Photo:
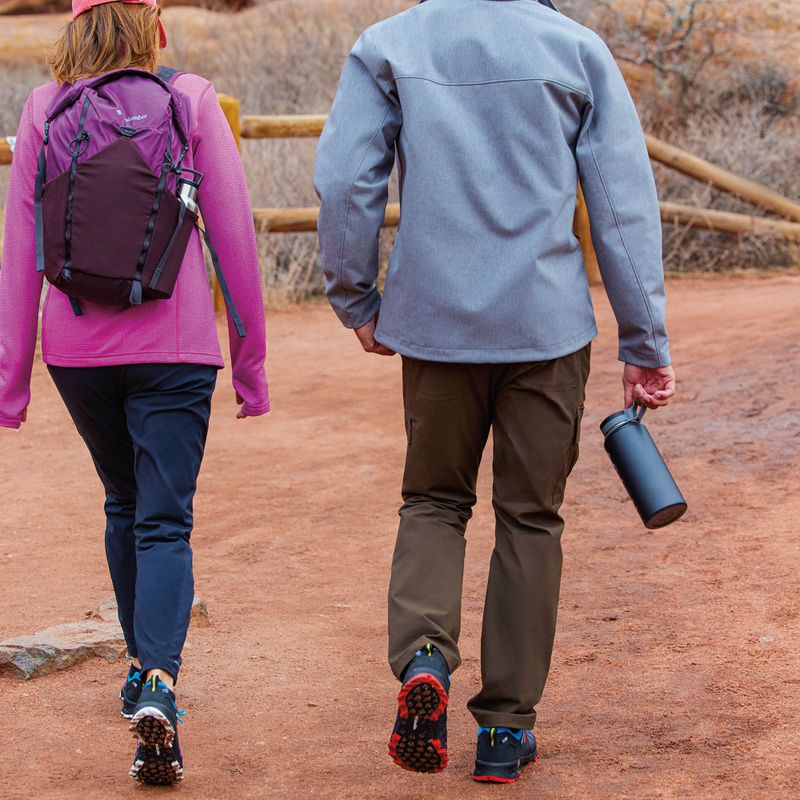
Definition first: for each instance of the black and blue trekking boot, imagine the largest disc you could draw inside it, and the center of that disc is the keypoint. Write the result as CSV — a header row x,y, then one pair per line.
x,y
130,691
502,752
158,760
419,738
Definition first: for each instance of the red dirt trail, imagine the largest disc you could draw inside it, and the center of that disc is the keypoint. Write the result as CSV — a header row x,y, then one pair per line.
x,y
676,671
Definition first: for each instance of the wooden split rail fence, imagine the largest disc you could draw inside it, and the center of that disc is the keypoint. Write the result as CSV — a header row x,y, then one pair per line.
x,y
298,220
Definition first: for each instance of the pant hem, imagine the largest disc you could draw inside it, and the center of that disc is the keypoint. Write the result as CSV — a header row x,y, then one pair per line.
x,y
494,719
148,666
399,663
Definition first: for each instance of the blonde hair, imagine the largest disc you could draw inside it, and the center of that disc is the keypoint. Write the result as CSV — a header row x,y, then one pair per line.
x,y
111,36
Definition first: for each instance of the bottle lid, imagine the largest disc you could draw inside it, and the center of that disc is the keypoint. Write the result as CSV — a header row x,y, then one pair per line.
x,y
620,418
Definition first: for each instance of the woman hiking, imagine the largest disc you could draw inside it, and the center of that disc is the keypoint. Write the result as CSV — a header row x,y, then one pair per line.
x,y
110,164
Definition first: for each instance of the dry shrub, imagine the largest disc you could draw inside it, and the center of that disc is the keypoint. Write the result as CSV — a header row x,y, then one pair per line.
x,y
713,77
770,157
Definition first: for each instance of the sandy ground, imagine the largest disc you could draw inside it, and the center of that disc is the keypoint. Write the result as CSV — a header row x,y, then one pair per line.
x,y
675,672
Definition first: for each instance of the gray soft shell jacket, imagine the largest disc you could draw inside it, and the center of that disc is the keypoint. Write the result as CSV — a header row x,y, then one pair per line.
x,y
494,110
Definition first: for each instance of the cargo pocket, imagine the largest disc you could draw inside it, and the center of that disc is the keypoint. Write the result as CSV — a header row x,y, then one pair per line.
x,y
572,458
409,429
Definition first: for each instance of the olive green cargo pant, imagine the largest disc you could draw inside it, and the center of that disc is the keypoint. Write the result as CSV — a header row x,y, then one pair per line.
x,y
534,412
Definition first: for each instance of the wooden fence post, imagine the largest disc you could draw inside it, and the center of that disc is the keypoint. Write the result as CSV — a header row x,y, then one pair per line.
x,y
583,231
6,152
230,107
698,168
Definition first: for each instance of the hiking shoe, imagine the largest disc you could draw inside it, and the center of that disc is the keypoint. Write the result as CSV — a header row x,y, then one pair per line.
x,y
130,691
502,752
158,759
419,738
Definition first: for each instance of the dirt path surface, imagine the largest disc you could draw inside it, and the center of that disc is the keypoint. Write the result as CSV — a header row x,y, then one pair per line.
x,y
676,667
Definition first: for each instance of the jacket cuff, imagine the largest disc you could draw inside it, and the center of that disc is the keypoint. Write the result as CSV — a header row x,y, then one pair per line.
x,y
650,360
362,311
255,411
10,422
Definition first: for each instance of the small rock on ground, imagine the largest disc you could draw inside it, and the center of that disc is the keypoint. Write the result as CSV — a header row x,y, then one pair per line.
x,y
61,646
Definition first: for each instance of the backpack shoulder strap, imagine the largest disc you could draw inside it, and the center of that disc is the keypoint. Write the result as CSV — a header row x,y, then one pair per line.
x,y
168,74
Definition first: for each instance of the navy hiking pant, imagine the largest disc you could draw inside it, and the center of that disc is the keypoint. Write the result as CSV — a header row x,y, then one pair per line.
x,y
145,426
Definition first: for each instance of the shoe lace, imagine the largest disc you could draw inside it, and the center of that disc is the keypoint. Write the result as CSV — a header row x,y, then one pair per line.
x,y
517,734
179,713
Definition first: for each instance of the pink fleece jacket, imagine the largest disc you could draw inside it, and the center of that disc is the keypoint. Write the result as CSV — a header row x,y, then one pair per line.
x,y
179,330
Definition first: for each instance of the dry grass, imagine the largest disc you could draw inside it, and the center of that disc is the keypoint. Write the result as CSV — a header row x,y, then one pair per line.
x,y
284,56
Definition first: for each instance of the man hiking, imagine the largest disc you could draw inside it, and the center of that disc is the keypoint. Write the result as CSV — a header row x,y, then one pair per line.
x,y
494,110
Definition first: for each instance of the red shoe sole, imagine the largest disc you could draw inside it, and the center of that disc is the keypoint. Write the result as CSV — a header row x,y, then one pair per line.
x,y
418,755
495,779
424,697
420,705
500,779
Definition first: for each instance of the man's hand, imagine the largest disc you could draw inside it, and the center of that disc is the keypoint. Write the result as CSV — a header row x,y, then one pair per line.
x,y
240,401
366,335
651,387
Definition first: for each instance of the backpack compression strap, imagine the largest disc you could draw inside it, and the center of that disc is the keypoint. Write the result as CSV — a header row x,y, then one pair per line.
x,y
167,75
38,191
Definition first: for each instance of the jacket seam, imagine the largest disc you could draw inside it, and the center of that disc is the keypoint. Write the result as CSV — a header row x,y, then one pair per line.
x,y
368,35
496,80
340,269
196,121
625,246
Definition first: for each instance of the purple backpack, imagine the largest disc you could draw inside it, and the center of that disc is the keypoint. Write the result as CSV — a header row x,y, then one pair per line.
x,y
113,219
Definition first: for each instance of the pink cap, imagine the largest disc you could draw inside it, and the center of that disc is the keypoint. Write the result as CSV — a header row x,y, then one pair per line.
x,y
79,6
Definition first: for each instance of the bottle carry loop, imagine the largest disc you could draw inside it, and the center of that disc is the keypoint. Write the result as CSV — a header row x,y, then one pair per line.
x,y
632,413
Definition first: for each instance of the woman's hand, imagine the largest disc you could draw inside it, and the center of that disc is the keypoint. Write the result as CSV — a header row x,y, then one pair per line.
x,y
240,402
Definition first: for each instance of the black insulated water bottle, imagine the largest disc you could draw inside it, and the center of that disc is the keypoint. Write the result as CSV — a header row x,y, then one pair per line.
x,y
641,468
